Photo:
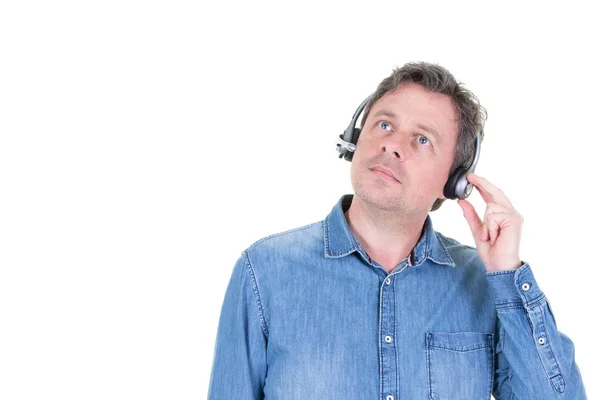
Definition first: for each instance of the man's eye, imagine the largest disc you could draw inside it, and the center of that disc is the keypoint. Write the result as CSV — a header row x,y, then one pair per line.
x,y
426,140
384,125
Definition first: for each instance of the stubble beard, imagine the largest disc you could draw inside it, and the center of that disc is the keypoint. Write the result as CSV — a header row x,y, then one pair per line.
x,y
380,194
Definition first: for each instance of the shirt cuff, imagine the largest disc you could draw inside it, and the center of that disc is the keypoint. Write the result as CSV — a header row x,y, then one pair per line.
x,y
514,287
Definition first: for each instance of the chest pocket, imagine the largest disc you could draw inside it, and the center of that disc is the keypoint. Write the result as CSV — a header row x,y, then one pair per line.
x,y
460,365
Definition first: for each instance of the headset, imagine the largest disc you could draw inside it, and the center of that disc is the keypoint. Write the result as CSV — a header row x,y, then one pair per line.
x,y
457,186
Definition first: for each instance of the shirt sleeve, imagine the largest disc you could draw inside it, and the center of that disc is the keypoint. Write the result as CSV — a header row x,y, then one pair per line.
x,y
239,362
533,359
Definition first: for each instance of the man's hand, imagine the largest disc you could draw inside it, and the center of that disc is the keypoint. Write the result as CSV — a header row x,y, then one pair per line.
x,y
498,236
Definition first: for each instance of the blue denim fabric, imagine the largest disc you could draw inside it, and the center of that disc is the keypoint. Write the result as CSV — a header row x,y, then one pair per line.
x,y
309,315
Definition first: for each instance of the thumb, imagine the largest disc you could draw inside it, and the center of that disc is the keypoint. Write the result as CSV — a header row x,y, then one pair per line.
x,y
471,216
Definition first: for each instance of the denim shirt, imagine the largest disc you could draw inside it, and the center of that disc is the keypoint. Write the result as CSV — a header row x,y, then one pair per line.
x,y
307,314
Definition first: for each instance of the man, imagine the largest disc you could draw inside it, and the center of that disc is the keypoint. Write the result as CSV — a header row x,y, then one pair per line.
x,y
372,302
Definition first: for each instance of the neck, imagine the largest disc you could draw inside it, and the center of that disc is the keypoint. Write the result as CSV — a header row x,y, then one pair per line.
x,y
388,237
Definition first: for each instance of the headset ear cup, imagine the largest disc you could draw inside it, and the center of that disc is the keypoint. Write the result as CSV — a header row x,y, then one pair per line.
x,y
450,189
458,186
354,140
355,135
351,132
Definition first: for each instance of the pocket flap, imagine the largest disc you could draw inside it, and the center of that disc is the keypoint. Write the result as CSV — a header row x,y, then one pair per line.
x,y
460,341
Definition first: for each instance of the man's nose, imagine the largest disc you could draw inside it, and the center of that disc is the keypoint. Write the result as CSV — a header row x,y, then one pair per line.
x,y
398,145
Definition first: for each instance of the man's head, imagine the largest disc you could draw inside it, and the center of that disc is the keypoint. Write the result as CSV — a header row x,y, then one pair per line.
x,y
421,124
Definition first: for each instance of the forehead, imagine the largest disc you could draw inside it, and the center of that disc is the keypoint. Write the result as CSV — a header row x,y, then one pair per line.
x,y
414,105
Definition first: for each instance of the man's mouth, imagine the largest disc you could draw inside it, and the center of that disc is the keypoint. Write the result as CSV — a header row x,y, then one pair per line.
x,y
384,174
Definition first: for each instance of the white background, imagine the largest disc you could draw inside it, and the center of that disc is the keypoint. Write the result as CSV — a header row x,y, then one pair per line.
x,y
144,145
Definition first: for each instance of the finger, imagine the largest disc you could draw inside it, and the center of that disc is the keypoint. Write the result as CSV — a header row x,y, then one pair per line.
x,y
484,233
491,208
494,222
490,229
488,191
493,229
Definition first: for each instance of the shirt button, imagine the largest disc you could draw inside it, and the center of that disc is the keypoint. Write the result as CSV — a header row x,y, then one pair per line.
x,y
389,397
525,286
388,281
541,340
388,339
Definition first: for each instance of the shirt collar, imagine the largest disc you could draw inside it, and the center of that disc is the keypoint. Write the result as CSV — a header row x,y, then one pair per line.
x,y
340,241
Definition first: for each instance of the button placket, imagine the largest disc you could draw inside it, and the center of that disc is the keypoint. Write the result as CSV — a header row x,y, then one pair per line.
x,y
387,330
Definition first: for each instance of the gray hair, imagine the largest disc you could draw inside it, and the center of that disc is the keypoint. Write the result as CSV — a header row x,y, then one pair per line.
x,y
435,78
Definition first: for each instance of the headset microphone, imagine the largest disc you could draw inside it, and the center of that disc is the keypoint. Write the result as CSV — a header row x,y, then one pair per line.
x,y
457,186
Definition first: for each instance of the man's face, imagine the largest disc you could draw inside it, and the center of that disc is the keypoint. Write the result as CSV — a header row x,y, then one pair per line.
x,y
413,133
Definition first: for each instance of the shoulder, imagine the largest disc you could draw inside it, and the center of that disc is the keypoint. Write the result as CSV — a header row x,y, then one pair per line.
x,y
464,256
452,244
300,239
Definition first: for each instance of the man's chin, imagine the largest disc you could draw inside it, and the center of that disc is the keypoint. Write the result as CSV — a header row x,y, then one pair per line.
x,y
381,200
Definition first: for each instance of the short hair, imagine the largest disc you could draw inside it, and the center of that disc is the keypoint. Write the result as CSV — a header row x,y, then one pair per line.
x,y
435,78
